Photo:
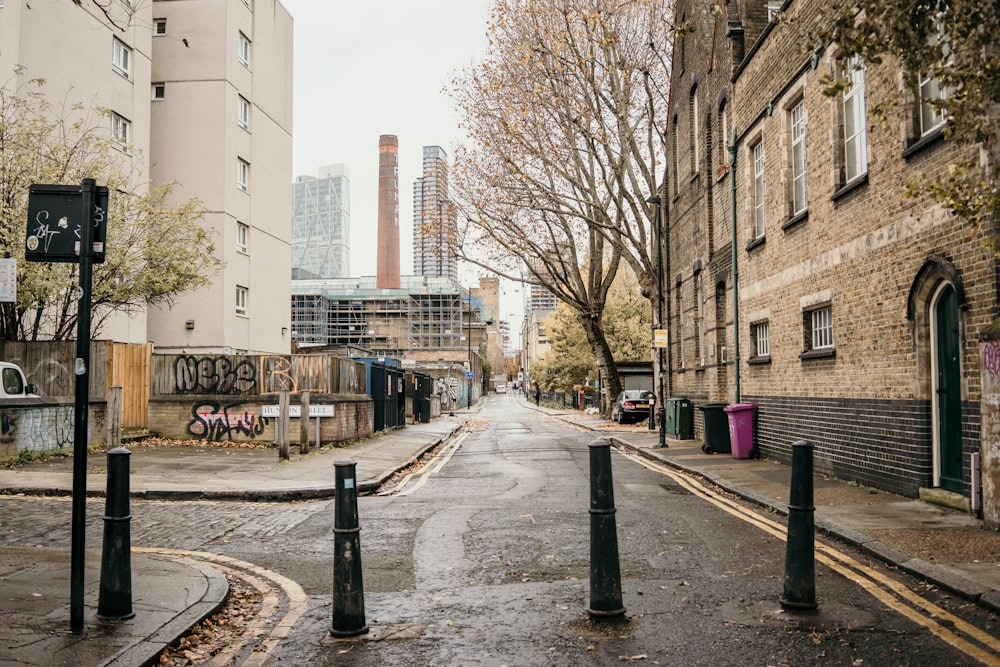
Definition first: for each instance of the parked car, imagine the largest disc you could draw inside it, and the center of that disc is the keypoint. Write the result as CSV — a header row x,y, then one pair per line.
x,y
632,405
12,382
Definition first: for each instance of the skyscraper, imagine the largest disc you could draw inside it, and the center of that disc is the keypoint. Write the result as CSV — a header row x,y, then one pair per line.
x,y
387,271
434,224
321,224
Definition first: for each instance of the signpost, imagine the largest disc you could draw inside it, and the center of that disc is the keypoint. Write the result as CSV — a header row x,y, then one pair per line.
x,y
68,223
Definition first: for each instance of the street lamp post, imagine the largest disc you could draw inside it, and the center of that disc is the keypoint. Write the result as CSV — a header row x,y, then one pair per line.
x,y
472,370
661,398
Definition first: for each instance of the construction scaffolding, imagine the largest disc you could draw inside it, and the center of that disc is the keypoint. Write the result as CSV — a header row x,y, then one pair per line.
x,y
425,313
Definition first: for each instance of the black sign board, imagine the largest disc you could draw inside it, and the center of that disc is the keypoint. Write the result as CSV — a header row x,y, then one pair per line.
x,y
55,214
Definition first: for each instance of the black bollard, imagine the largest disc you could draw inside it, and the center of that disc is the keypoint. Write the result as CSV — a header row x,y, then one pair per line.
x,y
800,555
348,589
605,572
115,598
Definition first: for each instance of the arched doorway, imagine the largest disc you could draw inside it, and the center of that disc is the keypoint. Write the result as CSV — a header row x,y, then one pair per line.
x,y
946,375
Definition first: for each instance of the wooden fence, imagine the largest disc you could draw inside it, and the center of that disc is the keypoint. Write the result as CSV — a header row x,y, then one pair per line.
x,y
51,366
240,375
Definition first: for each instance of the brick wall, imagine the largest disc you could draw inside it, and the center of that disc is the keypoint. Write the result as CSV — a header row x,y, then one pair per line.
x,y
232,418
872,252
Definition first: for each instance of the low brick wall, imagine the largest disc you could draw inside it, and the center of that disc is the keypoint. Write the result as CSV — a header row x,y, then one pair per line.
x,y
38,426
227,418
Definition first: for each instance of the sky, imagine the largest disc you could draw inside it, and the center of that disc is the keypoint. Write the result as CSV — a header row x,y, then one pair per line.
x,y
364,69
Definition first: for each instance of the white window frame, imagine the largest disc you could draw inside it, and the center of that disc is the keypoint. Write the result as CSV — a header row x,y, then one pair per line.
x,y
762,338
242,238
157,25
243,112
243,50
699,295
695,134
821,328
855,120
121,58
759,190
724,157
121,131
242,294
800,169
930,89
242,174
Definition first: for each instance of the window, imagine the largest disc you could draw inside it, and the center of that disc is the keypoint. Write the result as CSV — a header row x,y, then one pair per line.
x,y
159,91
761,339
700,304
855,138
724,158
675,135
758,189
242,112
159,27
242,174
773,8
800,194
244,50
242,237
931,92
120,131
121,58
680,327
819,323
241,300
694,138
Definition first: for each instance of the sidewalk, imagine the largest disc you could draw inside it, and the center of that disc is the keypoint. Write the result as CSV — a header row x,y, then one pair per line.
x,y
944,546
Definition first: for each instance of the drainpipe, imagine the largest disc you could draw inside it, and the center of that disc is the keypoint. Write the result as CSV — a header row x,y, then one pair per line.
x,y
736,271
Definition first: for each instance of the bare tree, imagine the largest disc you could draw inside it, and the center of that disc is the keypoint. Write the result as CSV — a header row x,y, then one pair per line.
x,y
562,118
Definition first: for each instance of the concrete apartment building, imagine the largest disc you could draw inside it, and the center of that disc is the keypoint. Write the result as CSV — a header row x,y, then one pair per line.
x,y
202,91
86,60
859,306
221,89
321,225
434,223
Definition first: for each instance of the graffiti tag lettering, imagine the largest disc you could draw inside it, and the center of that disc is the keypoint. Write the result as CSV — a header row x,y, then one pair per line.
x,y
991,359
215,422
214,375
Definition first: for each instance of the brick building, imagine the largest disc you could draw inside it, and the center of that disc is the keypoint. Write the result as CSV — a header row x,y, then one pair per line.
x,y
859,305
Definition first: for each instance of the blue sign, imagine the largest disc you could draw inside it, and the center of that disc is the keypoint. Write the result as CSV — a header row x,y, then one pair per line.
x,y
469,375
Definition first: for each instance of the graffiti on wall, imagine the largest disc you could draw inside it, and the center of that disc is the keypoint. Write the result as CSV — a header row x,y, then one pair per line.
x,y
991,359
248,375
38,429
214,375
214,421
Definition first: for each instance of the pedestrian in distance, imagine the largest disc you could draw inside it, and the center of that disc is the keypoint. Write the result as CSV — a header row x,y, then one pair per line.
x,y
538,394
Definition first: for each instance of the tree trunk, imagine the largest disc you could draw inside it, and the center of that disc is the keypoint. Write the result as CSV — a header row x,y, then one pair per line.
x,y
606,368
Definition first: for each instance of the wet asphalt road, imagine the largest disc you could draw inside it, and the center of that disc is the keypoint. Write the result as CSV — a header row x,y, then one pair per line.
x,y
486,562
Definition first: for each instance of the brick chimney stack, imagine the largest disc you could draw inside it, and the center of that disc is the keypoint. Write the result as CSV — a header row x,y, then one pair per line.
x,y
387,274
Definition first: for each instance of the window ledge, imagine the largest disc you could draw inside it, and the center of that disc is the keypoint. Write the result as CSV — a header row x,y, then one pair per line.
x,y
795,220
755,361
825,353
923,142
850,186
759,241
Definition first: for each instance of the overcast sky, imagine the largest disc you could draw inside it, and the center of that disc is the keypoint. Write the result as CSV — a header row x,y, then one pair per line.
x,y
363,69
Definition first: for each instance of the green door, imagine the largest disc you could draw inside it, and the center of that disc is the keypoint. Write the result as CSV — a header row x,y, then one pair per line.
x,y
949,399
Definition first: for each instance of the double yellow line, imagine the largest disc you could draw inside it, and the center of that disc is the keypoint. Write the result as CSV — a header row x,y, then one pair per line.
x,y
890,592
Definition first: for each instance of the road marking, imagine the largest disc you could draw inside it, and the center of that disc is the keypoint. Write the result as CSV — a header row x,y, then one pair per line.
x,y
268,616
432,467
885,589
